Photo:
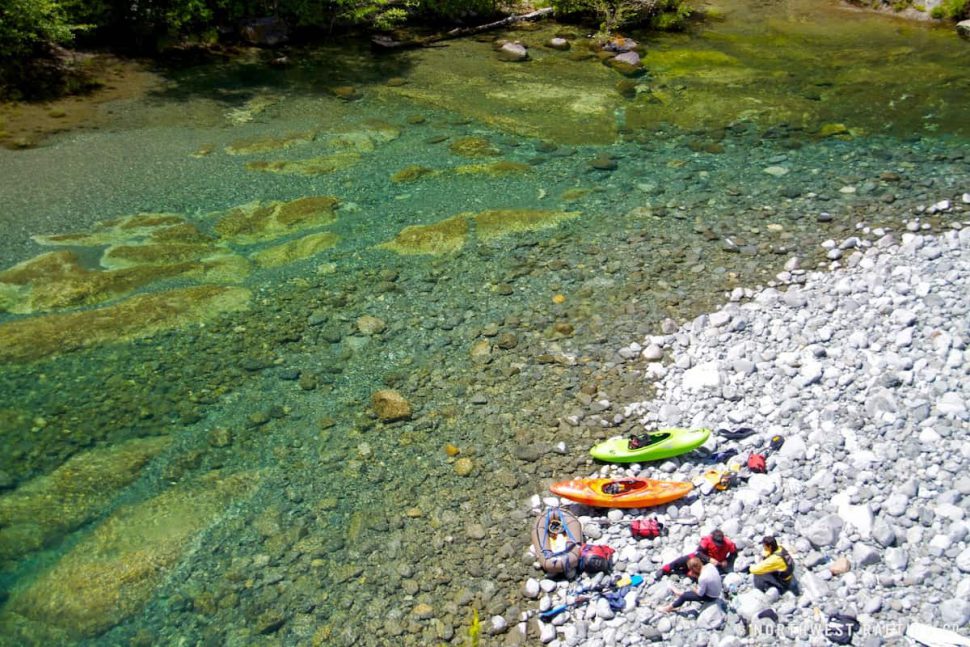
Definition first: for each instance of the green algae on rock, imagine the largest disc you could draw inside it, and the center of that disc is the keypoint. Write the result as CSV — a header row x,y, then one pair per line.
x,y
295,250
263,221
443,237
44,509
124,230
57,280
269,144
412,173
495,169
496,223
112,572
33,338
122,256
474,147
321,165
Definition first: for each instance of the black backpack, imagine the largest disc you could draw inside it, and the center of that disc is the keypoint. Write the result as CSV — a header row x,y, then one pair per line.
x,y
841,627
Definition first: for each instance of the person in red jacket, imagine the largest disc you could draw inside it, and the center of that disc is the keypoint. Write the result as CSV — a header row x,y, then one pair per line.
x,y
715,548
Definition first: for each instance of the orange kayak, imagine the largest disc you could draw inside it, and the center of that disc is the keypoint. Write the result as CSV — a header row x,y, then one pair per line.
x,y
621,493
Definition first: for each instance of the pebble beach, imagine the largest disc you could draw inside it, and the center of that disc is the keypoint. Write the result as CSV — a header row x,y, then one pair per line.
x,y
863,369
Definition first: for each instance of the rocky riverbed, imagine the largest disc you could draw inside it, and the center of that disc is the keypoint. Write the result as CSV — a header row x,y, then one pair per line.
x,y
864,371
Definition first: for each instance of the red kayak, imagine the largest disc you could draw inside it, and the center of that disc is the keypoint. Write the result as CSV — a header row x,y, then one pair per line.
x,y
621,493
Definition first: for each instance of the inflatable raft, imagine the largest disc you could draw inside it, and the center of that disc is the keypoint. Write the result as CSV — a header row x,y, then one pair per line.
x,y
655,446
557,537
621,493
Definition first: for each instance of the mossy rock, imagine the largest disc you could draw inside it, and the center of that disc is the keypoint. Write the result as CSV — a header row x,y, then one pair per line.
x,y
295,250
473,147
57,280
495,169
121,256
322,165
268,144
444,237
412,173
29,339
503,222
129,229
47,507
262,221
112,572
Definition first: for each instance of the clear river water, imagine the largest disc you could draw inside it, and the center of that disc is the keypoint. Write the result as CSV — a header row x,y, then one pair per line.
x,y
285,351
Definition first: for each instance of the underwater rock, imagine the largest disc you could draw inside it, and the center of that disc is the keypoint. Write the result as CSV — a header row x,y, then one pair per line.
x,y
44,509
558,43
124,256
321,165
495,169
444,237
389,405
269,144
496,223
261,221
368,325
112,572
603,162
29,339
473,147
347,93
412,173
834,130
464,466
627,64
57,280
295,250
130,229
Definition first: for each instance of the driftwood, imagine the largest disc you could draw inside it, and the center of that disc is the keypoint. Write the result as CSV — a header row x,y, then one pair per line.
x,y
386,42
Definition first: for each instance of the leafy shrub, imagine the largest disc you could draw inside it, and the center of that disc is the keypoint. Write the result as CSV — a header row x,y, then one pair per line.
x,y
614,14
952,9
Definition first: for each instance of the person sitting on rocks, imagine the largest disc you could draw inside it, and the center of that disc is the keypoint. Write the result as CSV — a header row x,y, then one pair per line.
x,y
714,548
777,569
708,585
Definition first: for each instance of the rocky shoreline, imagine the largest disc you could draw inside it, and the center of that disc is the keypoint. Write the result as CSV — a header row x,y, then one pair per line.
x,y
863,370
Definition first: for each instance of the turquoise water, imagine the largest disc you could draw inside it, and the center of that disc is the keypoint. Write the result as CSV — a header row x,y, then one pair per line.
x,y
192,463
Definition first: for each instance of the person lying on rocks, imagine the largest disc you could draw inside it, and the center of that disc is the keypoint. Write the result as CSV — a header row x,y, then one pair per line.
x,y
777,569
715,548
708,586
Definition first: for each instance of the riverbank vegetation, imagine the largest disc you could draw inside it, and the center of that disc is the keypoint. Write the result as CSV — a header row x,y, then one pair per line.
x,y
35,34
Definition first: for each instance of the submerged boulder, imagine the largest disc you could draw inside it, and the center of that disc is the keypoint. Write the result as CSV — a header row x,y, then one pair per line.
x,y
113,571
389,405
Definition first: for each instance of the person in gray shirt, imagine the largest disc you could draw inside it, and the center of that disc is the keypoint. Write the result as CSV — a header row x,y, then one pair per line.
x,y
708,585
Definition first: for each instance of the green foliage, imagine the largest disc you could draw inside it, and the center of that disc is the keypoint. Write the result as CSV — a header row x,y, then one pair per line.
x,y
615,14
671,15
26,26
952,10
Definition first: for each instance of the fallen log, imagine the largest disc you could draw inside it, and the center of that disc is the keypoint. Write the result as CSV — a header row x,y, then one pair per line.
x,y
386,42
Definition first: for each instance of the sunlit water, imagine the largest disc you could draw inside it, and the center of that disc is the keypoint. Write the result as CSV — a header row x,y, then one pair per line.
x,y
219,475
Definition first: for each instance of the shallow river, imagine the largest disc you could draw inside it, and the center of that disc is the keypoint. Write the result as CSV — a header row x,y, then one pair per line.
x,y
284,352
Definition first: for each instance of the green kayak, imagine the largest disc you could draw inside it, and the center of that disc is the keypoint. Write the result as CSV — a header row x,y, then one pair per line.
x,y
654,446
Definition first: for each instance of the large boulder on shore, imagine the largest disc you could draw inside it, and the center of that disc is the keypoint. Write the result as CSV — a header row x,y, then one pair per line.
x,y
963,29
